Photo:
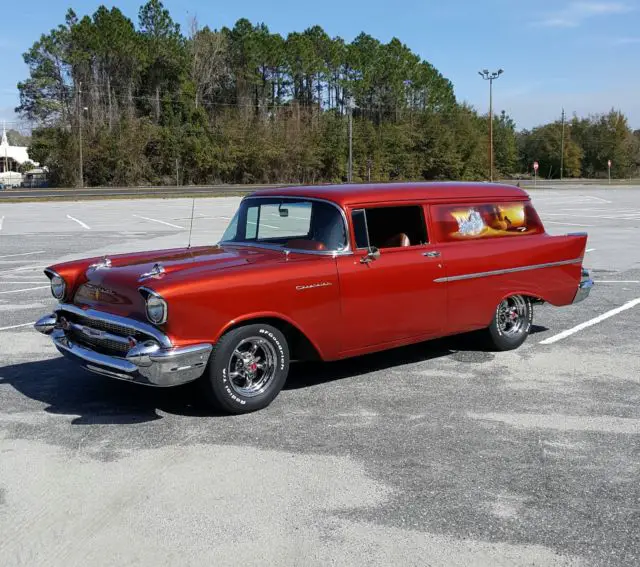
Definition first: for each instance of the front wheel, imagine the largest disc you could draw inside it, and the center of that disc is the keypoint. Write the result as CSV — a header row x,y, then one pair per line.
x,y
511,323
247,369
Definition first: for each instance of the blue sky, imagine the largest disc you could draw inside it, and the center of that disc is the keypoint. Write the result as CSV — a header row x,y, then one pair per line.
x,y
583,55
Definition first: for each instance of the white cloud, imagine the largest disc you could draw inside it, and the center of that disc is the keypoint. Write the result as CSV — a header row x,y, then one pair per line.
x,y
575,13
559,23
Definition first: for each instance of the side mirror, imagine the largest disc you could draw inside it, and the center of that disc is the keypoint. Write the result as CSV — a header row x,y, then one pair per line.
x,y
283,212
372,255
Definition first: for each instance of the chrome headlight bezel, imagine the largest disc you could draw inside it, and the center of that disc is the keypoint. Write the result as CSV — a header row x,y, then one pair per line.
x,y
155,306
58,284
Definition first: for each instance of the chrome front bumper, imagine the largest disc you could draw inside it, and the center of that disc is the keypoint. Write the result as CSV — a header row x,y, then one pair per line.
x,y
152,362
584,288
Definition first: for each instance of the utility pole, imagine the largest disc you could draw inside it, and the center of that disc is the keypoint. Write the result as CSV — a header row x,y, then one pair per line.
x,y
562,150
350,169
79,105
487,76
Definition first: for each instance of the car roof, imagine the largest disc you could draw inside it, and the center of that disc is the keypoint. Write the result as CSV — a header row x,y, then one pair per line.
x,y
352,194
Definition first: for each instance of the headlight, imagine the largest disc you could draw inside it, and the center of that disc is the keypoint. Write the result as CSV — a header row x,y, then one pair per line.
x,y
58,286
156,309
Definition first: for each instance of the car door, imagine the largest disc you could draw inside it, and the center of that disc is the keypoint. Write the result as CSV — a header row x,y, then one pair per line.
x,y
390,296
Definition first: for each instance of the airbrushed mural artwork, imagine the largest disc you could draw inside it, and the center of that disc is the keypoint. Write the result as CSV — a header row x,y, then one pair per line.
x,y
486,220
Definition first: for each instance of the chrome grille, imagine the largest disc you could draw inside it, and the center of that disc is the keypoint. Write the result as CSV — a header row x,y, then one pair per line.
x,y
116,341
103,325
105,346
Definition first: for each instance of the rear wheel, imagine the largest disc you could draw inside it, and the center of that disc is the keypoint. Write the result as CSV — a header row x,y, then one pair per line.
x,y
247,369
511,323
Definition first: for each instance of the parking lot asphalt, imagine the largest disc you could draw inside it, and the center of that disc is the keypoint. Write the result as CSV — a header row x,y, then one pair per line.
x,y
434,454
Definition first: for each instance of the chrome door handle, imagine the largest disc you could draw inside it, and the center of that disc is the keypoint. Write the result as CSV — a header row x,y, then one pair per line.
x,y
432,254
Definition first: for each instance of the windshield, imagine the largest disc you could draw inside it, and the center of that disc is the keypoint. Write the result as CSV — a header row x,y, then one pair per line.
x,y
293,223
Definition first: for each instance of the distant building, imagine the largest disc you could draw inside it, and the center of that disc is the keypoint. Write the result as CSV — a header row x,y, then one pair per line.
x,y
11,158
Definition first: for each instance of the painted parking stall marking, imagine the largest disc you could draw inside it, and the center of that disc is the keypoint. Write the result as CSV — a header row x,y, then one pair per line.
x,y
16,326
22,254
159,221
83,225
629,305
25,289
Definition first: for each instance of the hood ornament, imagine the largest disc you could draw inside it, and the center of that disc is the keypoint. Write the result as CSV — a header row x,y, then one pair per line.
x,y
104,263
155,272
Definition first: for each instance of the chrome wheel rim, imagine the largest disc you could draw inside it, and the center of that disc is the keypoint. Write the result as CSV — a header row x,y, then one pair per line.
x,y
512,316
252,366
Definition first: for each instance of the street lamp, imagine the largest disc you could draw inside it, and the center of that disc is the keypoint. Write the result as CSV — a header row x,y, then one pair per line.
x,y
490,76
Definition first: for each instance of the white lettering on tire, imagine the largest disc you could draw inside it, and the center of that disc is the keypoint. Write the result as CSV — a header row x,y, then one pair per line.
x,y
275,340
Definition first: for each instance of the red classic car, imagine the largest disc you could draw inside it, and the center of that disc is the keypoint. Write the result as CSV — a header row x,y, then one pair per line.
x,y
324,272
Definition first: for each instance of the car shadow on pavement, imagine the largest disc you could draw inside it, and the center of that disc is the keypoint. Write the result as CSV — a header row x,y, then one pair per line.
x,y
309,374
69,390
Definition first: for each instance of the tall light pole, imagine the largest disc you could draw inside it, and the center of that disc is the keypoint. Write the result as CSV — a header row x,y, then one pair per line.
x,y
488,76
80,111
350,169
562,149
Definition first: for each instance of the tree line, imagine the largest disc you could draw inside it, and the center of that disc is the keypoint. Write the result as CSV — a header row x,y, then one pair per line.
x,y
149,104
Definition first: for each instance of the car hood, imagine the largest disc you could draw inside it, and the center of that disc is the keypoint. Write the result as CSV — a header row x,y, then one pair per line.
x,y
114,287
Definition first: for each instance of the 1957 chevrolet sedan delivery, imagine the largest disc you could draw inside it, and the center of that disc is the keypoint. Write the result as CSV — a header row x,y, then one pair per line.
x,y
324,272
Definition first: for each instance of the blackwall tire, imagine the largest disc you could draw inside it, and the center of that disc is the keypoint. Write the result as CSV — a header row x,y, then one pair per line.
x,y
511,323
247,369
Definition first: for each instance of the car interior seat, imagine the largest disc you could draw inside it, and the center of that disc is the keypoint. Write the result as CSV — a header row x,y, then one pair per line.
x,y
397,240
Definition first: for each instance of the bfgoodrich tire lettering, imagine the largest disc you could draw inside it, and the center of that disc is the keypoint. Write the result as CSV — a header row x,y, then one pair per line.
x,y
247,369
511,323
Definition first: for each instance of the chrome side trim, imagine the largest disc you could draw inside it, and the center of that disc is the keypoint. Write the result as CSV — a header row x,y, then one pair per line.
x,y
506,271
132,324
346,252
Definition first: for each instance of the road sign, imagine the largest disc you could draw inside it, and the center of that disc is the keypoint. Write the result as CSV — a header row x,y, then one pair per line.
x,y
609,163
535,165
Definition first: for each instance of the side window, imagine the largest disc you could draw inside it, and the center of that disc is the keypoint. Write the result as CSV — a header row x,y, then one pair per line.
x,y
360,228
389,227
486,220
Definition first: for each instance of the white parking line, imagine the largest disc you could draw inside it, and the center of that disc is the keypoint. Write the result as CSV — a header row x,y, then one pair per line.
x,y
160,221
263,224
20,282
1,221
25,289
616,281
13,271
83,225
591,322
15,326
23,254
590,250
